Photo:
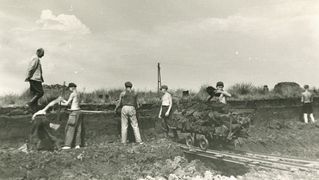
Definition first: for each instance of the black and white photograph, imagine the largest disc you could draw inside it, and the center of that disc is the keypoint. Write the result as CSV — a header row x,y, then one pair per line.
x,y
159,89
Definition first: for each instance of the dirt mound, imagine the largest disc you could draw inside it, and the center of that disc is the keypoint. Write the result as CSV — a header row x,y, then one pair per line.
x,y
284,139
288,89
214,120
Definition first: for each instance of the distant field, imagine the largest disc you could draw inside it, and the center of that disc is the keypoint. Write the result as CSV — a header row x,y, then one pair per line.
x,y
239,91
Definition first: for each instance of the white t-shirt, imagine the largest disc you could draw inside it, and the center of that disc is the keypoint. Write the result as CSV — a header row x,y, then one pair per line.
x,y
75,101
166,99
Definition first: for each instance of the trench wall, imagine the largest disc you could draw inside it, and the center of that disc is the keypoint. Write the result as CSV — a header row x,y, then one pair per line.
x,y
15,121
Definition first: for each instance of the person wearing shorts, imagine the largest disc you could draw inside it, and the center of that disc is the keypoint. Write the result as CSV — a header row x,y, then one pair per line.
x,y
307,100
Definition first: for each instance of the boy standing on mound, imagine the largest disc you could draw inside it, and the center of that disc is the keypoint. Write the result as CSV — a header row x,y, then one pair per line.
x,y
74,126
307,99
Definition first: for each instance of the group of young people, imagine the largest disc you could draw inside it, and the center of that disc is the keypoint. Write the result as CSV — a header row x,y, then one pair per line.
x,y
128,102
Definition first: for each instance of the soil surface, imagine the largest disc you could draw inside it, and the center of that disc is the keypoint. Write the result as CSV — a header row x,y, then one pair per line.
x,y
158,158
104,157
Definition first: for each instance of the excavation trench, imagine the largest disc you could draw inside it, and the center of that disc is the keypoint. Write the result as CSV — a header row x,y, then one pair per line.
x,y
277,129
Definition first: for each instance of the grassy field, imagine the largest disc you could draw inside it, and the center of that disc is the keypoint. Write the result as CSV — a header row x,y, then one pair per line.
x,y
239,91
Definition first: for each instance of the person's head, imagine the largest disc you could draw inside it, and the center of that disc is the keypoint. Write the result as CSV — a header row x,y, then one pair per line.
x,y
128,85
306,87
72,86
219,85
164,88
40,52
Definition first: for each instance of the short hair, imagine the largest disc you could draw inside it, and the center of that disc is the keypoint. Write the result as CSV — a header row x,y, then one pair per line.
x,y
306,86
72,85
128,84
164,87
220,83
40,52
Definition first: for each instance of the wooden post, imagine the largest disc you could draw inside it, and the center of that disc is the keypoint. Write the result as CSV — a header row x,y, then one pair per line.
x,y
159,79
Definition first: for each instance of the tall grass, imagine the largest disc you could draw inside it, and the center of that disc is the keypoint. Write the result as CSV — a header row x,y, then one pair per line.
x,y
247,91
239,91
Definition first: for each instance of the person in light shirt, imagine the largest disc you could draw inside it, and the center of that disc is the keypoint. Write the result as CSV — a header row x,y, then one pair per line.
x,y
74,126
307,99
35,78
166,109
221,93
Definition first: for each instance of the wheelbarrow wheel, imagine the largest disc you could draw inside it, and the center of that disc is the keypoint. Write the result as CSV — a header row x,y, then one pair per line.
x,y
203,143
190,141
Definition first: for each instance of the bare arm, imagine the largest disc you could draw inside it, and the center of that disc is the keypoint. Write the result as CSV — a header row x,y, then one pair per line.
x,y
44,110
65,103
302,98
225,93
119,102
170,104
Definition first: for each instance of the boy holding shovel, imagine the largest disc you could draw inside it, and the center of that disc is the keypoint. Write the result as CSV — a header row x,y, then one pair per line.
x,y
74,127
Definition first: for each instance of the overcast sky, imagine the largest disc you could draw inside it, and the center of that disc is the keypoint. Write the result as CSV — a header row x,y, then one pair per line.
x,y
103,43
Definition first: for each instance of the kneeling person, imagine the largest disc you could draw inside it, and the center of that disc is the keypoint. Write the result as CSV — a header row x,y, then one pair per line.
x,y
74,126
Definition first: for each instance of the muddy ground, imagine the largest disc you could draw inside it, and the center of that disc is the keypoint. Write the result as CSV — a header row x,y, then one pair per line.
x,y
159,158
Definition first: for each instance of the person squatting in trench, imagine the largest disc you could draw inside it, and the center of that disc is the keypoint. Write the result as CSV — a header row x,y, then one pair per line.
x,y
41,133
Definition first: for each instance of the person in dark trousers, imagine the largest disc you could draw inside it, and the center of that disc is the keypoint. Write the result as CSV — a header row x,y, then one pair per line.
x,y
128,101
35,78
75,126
166,110
307,99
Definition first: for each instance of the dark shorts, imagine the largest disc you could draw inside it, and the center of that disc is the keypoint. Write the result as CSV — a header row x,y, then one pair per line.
x,y
307,108
164,110
165,118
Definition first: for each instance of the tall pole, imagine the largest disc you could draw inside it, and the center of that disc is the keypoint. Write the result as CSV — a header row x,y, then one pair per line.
x,y
159,79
